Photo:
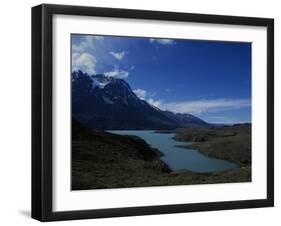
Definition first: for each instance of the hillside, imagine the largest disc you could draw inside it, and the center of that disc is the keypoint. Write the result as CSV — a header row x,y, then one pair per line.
x,y
232,143
105,160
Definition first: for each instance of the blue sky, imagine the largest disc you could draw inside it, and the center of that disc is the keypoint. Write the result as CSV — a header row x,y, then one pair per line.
x,y
209,79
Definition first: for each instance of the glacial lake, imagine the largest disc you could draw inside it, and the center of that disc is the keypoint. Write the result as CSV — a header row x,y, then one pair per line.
x,y
179,158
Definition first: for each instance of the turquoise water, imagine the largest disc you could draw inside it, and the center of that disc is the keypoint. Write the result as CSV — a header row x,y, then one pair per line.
x,y
179,158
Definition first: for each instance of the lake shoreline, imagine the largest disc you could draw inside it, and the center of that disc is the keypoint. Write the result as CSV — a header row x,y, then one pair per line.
x,y
174,157
231,143
101,160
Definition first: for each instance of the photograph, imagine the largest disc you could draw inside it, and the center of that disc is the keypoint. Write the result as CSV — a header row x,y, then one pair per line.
x,y
143,112
152,111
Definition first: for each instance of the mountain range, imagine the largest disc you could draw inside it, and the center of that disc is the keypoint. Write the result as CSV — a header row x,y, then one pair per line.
x,y
109,103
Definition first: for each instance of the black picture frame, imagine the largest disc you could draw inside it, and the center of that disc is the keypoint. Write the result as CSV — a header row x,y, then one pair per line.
x,y
42,111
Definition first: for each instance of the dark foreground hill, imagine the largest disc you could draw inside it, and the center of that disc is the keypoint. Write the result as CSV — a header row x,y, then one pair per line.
x,y
105,160
109,103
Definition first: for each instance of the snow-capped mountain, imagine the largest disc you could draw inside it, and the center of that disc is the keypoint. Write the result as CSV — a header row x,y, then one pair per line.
x,y
109,103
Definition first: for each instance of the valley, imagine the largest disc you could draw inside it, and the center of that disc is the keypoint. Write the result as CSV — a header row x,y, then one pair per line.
x,y
105,160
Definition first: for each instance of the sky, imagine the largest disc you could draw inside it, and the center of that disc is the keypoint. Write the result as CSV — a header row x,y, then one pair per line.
x,y
209,79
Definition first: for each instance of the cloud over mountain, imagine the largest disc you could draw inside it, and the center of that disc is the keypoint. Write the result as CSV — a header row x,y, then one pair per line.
x,y
200,106
84,62
141,93
117,73
82,57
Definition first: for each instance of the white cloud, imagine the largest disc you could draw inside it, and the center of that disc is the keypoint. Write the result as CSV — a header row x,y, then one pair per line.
x,y
86,44
156,103
162,41
84,62
116,73
118,55
200,106
100,38
147,96
225,120
82,59
141,93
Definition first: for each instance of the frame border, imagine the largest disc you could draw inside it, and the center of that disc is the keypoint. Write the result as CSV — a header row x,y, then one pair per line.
x,y
42,112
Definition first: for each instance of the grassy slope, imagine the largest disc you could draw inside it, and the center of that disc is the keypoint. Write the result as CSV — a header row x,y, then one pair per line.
x,y
232,143
105,160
